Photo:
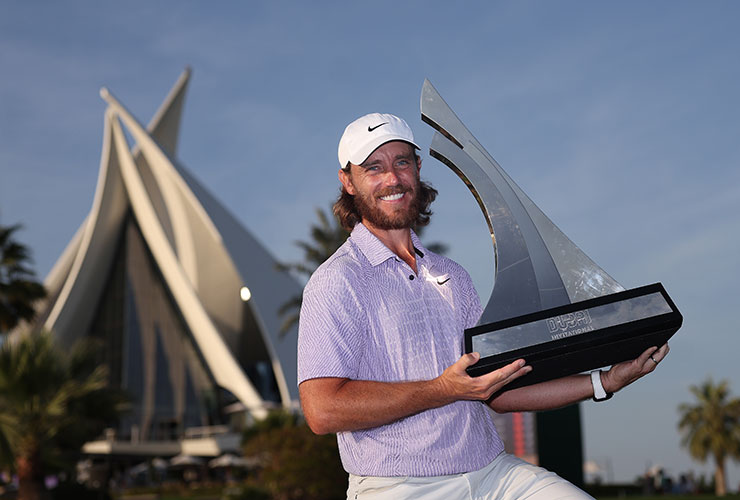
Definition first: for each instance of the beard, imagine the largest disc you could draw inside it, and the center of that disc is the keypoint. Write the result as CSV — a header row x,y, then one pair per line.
x,y
401,218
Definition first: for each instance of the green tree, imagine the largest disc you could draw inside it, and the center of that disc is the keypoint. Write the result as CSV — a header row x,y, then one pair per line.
x,y
51,402
18,286
296,463
711,426
327,235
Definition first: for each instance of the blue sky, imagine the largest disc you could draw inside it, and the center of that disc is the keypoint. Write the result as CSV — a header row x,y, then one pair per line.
x,y
620,120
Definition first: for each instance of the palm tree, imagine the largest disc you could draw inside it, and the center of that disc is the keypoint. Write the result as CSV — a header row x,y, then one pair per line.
x,y
51,402
712,427
326,237
18,286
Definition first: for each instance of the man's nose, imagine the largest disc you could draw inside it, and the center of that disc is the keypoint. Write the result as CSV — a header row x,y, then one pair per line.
x,y
391,177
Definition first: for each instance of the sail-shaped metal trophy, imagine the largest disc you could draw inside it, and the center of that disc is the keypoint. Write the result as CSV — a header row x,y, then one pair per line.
x,y
550,304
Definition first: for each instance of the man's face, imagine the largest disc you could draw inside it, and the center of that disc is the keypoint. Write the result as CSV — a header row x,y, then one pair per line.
x,y
386,186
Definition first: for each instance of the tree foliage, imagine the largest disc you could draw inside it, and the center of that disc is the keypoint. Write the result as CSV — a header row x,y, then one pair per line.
x,y
711,427
327,235
18,286
296,463
51,402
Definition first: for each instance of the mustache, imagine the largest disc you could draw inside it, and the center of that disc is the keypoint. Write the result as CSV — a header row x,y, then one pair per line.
x,y
391,190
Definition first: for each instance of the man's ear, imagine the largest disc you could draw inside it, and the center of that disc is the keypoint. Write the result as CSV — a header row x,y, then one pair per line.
x,y
346,180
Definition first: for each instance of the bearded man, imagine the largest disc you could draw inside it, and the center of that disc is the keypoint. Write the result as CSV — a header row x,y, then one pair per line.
x,y
380,358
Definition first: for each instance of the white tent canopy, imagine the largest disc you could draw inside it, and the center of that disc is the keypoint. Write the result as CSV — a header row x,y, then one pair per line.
x,y
230,460
182,460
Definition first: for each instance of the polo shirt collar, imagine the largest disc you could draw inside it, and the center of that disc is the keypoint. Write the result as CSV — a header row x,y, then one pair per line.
x,y
374,250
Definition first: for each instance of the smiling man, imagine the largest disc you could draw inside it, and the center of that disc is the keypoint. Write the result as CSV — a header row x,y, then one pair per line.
x,y
380,358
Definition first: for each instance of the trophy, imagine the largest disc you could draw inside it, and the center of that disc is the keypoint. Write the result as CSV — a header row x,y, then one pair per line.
x,y
551,304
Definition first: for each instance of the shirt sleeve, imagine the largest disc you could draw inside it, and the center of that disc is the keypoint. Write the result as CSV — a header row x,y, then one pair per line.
x,y
332,328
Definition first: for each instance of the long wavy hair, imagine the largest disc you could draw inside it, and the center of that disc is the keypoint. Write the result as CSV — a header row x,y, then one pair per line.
x,y
346,211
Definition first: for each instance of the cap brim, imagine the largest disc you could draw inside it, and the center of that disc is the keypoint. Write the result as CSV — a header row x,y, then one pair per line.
x,y
361,155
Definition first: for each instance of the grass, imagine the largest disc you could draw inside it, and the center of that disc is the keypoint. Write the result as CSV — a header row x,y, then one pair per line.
x,y
214,493
732,496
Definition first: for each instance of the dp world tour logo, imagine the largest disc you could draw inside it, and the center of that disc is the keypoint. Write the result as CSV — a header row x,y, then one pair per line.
x,y
567,325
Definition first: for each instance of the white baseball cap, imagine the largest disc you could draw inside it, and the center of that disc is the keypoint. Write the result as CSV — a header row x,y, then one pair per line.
x,y
368,133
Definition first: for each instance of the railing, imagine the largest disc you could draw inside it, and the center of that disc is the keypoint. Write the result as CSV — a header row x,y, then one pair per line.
x,y
206,431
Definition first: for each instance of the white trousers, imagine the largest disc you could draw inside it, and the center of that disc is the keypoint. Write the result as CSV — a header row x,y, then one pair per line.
x,y
506,478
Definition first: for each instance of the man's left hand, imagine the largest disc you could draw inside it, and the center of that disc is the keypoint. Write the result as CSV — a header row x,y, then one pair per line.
x,y
623,374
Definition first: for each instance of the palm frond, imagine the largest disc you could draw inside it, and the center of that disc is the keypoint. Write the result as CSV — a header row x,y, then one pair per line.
x,y
52,399
19,289
710,427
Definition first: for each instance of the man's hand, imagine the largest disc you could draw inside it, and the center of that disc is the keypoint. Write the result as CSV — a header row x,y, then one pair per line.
x,y
457,384
341,404
568,390
623,374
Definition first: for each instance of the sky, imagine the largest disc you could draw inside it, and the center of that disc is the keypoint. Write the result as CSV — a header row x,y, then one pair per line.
x,y
619,119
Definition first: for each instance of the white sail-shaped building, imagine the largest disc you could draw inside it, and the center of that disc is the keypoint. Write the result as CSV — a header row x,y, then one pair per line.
x,y
183,299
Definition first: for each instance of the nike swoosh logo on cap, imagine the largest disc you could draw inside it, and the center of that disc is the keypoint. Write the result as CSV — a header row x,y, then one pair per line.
x,y
370,129
442,280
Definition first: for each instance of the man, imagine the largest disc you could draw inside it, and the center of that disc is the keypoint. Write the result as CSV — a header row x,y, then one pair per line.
x,y
380,346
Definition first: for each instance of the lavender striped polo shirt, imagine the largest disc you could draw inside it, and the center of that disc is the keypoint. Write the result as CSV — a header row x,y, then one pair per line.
x,y
367,316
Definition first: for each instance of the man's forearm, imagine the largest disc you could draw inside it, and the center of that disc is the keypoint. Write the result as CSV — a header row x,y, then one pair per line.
x,y
544,396
568,390
341,404
336,405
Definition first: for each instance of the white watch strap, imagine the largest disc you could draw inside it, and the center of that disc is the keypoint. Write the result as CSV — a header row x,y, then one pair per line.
x,y
599,392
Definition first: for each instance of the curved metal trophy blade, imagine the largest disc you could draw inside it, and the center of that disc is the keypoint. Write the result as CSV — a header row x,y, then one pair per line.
x,y
536,266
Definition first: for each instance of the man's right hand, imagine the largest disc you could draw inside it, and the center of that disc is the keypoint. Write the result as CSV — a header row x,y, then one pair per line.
x,y
341,404
457,384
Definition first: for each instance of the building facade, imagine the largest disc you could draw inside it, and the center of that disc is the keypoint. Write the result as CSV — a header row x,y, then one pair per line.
x,y
182,299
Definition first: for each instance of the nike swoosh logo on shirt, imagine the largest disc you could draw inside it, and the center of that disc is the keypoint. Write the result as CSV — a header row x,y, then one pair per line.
x,y
441,281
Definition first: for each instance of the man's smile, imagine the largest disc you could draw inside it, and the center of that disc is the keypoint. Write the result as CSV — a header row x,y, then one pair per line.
x,y
392,197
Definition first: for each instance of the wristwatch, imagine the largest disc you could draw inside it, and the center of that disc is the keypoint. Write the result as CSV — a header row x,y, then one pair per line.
x,y
599,393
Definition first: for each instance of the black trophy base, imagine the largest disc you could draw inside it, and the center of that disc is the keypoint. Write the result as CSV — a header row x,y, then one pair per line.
x,y
576,337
